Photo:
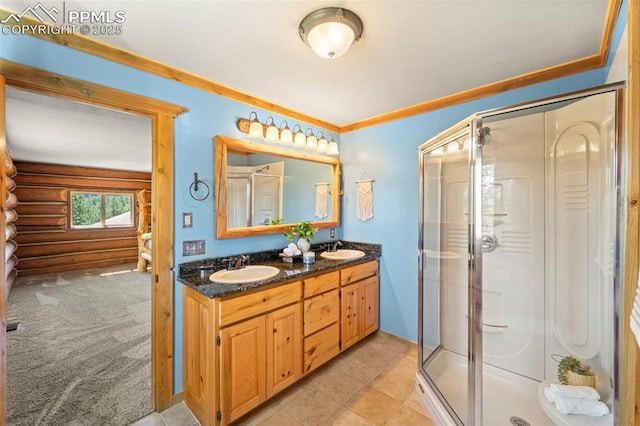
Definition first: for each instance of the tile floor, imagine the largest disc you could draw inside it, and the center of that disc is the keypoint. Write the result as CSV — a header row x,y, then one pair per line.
x,y
372,383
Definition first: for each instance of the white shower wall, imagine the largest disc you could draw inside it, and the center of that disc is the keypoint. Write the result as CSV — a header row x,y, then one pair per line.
x,y
549,199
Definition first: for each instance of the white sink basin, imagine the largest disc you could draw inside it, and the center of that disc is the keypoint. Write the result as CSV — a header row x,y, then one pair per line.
x,y
345,254
247,274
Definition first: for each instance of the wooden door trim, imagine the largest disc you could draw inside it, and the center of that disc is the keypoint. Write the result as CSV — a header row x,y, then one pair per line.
x,y
161,114
629,401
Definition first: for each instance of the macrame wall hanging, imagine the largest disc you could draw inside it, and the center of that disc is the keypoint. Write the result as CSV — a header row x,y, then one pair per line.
x,y
364,201
322,199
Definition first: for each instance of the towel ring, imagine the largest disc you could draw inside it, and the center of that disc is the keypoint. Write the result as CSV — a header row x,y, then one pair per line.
x,y
193,188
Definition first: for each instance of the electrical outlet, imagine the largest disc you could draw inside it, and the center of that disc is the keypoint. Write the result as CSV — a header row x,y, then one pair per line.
x,y
193,247
332,233
187,220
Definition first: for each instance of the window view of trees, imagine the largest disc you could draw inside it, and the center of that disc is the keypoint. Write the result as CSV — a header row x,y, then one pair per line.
x,y
101,210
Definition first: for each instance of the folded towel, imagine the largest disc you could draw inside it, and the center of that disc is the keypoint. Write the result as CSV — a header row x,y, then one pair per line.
x,y
581,406
554,391
288,251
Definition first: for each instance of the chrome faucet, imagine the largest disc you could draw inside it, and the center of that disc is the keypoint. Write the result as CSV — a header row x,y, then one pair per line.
x,y
235,262
334,247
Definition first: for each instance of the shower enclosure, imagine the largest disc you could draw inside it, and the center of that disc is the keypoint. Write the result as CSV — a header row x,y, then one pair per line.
x,y
519,259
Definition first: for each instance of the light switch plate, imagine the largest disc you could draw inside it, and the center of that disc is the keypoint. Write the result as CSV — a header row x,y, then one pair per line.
x,y
192,247
187,220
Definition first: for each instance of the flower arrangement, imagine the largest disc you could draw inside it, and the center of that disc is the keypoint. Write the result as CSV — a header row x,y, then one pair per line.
x,y
303,230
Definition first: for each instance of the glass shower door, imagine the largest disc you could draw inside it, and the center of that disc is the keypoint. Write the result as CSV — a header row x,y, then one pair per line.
x,y
444,219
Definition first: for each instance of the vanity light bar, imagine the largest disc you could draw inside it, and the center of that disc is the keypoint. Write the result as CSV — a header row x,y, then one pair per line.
x,y
269,132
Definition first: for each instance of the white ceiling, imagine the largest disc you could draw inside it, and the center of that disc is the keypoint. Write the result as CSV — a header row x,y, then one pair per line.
x,y
51,130
412,51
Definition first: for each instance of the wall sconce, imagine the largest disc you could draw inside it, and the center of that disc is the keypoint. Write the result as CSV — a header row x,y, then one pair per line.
x,y
322,143
286,136
272,134
256,131
332,147
299,139
296,137
312,141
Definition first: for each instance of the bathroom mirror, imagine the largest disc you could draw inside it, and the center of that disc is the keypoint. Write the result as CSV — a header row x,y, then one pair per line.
x,y
265,189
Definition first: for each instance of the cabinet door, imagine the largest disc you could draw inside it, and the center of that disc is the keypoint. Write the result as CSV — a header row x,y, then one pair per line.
x,y
284,348
243,367
350,315
199,357
369,318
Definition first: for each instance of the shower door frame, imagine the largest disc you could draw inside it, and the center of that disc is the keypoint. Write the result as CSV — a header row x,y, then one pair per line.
x,y
475,282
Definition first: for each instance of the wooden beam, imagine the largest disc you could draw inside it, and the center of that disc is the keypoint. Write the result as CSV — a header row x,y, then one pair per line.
x,y
61,86
162,264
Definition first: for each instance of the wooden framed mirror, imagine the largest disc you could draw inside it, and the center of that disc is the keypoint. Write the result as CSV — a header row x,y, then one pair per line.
x,y
264,189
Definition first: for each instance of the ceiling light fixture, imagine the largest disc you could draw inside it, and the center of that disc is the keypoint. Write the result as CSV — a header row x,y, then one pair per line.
x,y
330,31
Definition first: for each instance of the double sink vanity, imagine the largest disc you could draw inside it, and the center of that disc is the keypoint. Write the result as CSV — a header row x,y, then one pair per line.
x,y
251,331
255,323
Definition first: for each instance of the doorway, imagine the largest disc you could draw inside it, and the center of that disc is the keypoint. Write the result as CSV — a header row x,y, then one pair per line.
x,y
162,115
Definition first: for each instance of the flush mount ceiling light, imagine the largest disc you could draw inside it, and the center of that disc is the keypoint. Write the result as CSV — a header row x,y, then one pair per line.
x,y
330,31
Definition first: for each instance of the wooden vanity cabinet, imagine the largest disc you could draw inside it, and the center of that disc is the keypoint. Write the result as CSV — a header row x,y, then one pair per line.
x,y
359,303
240,350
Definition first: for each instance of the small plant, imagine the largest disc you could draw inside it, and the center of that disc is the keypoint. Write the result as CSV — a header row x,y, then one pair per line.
x,y
276,221
568,363
302,230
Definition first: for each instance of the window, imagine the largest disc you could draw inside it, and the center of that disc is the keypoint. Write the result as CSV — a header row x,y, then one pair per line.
x,y
101,210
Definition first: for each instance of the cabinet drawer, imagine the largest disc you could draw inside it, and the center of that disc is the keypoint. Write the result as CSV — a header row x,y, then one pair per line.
x,y
321,347
320,311
321,283
234,309
358,272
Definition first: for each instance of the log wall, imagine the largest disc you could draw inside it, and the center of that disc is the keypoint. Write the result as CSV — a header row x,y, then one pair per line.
x,y
46,243
10,230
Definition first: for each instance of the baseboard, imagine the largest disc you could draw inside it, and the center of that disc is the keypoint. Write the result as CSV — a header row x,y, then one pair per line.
x,y
177,398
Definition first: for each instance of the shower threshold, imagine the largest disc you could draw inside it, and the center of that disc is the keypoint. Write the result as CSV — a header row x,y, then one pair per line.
x,y
507,395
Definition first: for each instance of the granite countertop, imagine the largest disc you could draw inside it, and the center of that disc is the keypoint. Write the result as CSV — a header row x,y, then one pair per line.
x,y
196,274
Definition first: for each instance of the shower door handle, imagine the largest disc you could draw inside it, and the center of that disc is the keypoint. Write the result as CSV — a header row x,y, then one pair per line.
x,y
489,243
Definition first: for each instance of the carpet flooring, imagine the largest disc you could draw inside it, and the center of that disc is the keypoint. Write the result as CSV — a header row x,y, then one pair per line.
x,y
83,353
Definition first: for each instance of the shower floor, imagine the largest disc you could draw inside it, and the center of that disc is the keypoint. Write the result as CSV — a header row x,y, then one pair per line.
x,y
505,394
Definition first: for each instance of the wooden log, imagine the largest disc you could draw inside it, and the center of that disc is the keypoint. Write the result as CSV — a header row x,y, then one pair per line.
x,y
143,230
11,215
39,221
11,264
10,167
12,200
26,251
34,237
76,266
61,170
10,231
40,194
40,209
68,259
10,184
11,247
